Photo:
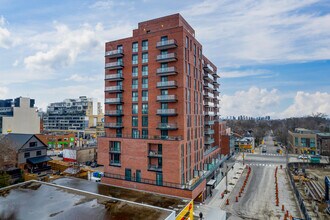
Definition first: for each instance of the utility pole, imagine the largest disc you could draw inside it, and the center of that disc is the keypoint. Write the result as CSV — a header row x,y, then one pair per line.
x,y
226,177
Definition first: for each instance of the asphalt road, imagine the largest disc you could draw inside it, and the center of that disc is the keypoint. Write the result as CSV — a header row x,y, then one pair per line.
x,y
258,199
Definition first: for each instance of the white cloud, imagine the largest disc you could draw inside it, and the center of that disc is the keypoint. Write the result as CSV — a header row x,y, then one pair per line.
x,y
258,31
3,92
308,103
245,73
79,78
16,63
253,102
6,38
70,44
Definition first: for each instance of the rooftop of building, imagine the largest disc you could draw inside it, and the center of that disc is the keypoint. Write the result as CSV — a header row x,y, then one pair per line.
x,y
304,131
324,134
18,140
153,199
39,200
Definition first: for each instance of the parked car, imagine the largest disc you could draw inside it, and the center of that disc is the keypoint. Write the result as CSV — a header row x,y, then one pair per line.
x,y
60,154
264,150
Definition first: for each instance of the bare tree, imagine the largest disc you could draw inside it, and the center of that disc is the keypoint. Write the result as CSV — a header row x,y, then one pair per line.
x,y
7,154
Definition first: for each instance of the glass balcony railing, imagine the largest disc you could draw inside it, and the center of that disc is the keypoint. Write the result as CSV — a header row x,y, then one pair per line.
x,y
167,84
167,98
114,65
166,111
114,77
166,44
114,53
113,125
113,88
167,126
166,71
166,57
113,112
113,100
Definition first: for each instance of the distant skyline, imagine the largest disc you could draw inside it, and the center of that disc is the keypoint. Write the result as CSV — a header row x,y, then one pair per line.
x,y
273,56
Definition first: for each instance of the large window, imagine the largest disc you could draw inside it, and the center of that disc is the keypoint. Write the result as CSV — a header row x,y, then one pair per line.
x,y
134,71
135,121
296,141
128,174
145,70
312,142
144,121
159,179
138,175
145,45
144,83
135,109
145,133
144,108
144,95
145,58
135,96
135,59
33,144
303,142
135,83
135,47
39,153
135,133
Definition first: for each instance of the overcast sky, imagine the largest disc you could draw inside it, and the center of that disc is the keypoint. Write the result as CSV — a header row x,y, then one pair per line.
x,y
273,56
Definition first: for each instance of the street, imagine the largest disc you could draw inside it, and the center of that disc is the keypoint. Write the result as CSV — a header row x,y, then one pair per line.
x,y
258,198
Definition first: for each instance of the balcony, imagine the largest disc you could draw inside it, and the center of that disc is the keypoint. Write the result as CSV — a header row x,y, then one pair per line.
x,y
157,168
113,89
167,71
166,112
151,137
207,68
114,53
210,122
209,103
113,101
210,150
114,77
208,77
166,44
115,163
208,131
210,113
167,84
114,65
115,150
114,113
164,58
113,125
155,154
209,141
167,126
215,75
167,98
209,86
209,95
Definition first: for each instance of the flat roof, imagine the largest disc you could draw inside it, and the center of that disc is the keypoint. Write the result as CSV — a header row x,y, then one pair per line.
x,y
40,200
167,202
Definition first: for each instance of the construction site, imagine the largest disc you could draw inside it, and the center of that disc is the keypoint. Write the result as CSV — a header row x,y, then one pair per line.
x,y
311,185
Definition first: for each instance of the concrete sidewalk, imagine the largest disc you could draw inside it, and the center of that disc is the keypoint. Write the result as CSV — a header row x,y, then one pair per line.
x,y
211,208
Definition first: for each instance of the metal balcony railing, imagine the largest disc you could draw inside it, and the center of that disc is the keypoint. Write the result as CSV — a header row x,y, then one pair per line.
x,y
113,125
157,168
167,126
166,111
114,53
166,44
167,98
167,84
113,88
167,57
114,76
114,65
167,71
113,112
113,100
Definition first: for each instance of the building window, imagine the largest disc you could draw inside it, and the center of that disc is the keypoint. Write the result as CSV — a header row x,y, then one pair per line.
x,y
144,95
187,42
145,58
145,70
119,132
144,45
296,141
144,121
303,142
135,109
135,133
135,47
138,175
163,38
135,121
312,142
33,144
26,154
135,59
144,83
135,84
135,96
144,108
128,174
39,153
145,133
159,179
134,71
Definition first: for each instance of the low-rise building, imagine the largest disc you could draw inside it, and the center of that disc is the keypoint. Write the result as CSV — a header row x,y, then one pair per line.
x,y
58,141
19,116
246,144
323,142
80,155
302,141
31,152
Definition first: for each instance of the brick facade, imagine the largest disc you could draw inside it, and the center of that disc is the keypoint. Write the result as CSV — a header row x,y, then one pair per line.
x,y
172,151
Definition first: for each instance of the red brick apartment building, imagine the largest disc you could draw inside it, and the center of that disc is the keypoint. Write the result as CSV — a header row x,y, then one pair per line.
x,y
161,111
